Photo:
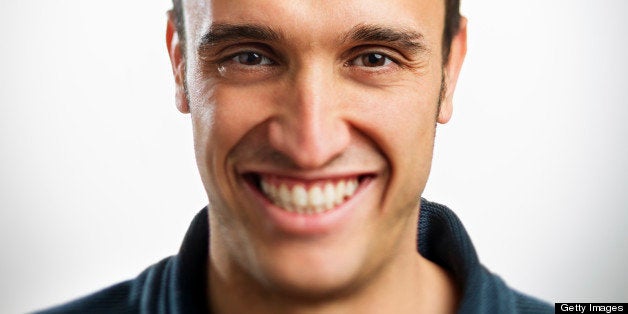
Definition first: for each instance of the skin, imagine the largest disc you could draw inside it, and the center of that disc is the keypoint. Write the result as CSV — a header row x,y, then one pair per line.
x,y
310,105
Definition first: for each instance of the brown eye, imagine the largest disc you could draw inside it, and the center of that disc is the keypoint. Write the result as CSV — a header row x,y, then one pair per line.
x,y
251,58
371,60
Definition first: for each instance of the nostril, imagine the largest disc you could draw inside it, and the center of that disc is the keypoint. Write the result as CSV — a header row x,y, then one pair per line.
x,y
309,139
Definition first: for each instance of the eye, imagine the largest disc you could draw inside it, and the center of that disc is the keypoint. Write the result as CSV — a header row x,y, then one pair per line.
x,y
371,60
251,58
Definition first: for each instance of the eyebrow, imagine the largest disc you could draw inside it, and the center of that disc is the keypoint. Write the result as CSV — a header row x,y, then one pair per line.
x,y
220,33
408,39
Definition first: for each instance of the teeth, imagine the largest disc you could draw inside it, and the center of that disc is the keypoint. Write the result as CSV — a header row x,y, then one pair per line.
x,y
351,187
284,197
314,199
340,191
299,196
317,199
330,196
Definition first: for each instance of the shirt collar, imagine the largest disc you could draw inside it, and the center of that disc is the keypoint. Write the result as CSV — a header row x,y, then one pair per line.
x,y
441,238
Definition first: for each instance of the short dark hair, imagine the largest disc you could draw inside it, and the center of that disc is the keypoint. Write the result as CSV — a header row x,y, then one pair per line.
x,y
452,24
177,12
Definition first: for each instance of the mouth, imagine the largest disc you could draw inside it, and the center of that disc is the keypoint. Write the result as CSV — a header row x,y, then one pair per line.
x,y
307,197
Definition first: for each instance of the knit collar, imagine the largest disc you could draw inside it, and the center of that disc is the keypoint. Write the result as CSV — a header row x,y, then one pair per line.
x,y
442,239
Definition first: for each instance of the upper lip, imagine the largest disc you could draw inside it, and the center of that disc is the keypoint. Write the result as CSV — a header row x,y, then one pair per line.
x,y
328,172
306,175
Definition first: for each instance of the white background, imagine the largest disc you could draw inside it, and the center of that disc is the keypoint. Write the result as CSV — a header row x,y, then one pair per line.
x,y
98,179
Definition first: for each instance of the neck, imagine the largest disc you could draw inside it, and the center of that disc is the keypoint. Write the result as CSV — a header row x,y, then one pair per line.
x,y
408,283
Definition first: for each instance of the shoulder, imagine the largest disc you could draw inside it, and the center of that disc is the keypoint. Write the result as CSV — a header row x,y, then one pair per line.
x,y
495,296
443,239
176,284
527,304
132,296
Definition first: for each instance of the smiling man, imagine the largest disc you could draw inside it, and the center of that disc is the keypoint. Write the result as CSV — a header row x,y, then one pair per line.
x,y
314,125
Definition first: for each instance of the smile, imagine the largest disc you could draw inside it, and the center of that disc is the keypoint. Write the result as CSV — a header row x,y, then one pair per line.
x,y
311,197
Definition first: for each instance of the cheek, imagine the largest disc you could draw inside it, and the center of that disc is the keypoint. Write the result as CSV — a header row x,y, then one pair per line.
x,y
221,117
224,117
402,123
411,141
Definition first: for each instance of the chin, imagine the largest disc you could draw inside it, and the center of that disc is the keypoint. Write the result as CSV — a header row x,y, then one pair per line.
x,y
316,285
314,274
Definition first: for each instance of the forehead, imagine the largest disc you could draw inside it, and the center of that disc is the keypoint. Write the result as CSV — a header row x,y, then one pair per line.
x,y
316,20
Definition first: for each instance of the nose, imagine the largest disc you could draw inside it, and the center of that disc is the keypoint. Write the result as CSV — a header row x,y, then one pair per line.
x,y
310,129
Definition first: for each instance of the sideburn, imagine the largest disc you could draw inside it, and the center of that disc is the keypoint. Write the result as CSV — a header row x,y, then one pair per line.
x,y
442,92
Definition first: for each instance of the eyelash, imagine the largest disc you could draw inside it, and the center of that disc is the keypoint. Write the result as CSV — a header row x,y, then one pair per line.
x,y
267,61
360,58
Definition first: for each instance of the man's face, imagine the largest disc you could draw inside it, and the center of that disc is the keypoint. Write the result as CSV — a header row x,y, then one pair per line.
x,y
313,125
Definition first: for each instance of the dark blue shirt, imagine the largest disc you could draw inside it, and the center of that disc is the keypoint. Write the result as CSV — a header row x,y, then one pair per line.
x,y
177,284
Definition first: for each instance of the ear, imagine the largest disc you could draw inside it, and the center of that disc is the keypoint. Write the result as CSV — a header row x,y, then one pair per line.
x,y
452,69
178,64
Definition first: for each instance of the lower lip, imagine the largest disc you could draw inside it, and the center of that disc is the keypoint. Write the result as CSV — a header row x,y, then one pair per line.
x,y
313,224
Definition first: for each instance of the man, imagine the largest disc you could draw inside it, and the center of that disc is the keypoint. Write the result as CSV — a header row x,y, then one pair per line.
x,y
314,125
